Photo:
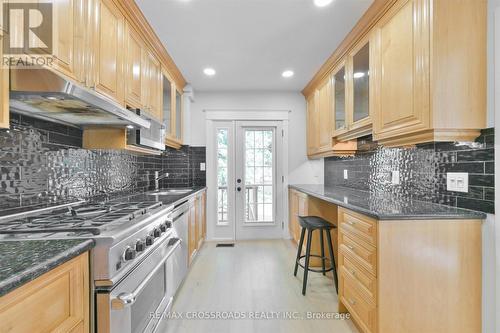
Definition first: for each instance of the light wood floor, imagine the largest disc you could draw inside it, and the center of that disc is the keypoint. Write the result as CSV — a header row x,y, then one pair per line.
x,y
254,276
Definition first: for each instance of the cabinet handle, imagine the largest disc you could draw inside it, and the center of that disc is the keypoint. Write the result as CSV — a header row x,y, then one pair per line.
x,y
351,223
350,247
352,301
353,272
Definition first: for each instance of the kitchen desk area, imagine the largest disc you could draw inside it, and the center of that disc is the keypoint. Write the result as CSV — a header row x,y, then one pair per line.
x,y
416,260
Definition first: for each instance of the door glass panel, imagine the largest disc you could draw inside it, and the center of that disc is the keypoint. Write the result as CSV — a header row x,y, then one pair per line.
x,y
222,175
339,84
361,73
167,105
178,115
259,177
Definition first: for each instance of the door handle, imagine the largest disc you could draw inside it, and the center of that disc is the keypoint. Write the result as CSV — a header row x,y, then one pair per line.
x,y
238,180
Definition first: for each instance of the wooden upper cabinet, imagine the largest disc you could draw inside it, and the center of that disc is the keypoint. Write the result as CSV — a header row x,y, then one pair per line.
x,y
179,107
429,85
69,38
133,68
152,86
324,115
312,120
402,76
109,47
406,73
167,105
340,99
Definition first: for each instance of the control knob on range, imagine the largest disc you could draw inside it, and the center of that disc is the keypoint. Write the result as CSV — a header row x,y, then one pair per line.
x,y
149,240
156,233
163,227
129,254
140,246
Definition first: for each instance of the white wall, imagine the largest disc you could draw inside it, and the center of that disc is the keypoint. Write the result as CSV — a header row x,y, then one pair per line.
x,y
300,169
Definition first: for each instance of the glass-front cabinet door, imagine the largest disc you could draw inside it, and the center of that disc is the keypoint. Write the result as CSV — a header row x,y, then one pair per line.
x,y
359,62
172,112
339,100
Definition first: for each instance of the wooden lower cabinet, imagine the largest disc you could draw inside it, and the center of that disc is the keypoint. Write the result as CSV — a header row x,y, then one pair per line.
x,y
197,225
57,301
410,276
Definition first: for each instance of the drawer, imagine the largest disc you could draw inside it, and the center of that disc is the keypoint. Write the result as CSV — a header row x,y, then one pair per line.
x,y
367,283
363,311
361,254
358,225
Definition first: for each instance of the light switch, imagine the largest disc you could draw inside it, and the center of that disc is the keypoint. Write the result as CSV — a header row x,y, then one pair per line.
x,y
202,166
457,181
346,176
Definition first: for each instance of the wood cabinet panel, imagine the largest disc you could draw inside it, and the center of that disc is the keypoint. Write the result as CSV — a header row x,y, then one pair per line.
x,y
192,232
403,75
57,301
109,46
133,68
358,226
360,253
325,116
312,121
367,283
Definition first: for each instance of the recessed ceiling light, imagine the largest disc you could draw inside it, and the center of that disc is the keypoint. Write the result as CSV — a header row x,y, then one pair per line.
x,y
130,126
322,3
287,73
209,71
358,75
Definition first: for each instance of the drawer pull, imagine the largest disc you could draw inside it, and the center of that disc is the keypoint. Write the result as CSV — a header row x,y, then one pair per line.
x,y
351,223
350,247
353,272
352,301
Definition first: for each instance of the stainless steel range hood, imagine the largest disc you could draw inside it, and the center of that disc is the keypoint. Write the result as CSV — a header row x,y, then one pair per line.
x,y
43,93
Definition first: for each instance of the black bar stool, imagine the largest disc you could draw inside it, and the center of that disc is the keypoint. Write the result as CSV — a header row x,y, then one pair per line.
x,y
311,223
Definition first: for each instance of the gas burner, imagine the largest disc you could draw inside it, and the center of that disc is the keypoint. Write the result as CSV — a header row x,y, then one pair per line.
x,y
81,220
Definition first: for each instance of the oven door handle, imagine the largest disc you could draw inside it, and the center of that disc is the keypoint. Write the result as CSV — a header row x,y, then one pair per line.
x,y
125,299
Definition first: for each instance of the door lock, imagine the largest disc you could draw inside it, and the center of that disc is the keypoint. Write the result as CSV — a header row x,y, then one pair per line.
x,y
238,180
238,189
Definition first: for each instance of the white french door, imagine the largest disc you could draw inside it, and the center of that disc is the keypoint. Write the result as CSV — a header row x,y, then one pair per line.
x,y
248,168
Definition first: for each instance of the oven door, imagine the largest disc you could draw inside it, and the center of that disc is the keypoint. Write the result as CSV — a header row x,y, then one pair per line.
x,y
140,301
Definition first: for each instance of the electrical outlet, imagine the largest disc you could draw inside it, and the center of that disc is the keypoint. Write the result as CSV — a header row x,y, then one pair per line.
x,y
346,176
457,181
202,166
395,177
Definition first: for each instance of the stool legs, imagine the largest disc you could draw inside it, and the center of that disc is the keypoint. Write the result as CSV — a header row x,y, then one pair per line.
x,y
299,250
322,250
332,259
306,266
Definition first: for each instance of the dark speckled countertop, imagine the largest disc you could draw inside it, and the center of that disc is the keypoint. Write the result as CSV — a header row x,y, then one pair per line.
x,y
383,207
24,260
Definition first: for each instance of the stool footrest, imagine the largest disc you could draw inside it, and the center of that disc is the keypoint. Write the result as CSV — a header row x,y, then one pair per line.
x,y
311,269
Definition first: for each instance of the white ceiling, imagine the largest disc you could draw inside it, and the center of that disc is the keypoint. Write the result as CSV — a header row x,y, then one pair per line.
x,y
251,42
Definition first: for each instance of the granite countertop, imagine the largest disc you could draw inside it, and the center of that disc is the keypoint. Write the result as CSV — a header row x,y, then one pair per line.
x,y
24,260
384,207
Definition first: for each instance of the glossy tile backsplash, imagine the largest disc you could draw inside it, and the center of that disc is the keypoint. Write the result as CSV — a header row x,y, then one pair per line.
x,y
43,162
422,171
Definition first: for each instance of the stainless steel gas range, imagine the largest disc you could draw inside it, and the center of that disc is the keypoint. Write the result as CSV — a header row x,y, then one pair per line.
x,y
139,260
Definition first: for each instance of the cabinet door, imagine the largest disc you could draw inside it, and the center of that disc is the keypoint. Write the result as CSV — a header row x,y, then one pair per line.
x,y
339,100
204,215
57,301
293,207
325,110
69,38
133,68
192,231
156,89
167,105
312,121
360,79
110,55
178,115
4,91
402,70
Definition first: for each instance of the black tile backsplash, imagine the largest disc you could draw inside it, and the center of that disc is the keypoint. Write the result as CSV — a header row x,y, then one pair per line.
x,y
422,171
43,162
